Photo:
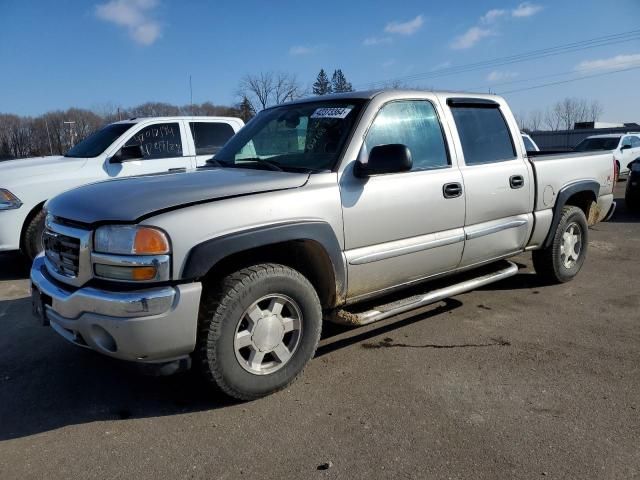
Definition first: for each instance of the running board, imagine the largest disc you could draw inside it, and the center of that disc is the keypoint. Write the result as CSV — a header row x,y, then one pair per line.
x,y
345,317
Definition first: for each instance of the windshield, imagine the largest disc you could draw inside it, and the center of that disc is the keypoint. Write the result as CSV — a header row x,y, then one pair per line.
x,y
298,137
97,142
604,143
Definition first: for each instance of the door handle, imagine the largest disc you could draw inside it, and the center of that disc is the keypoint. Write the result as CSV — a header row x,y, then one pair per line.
x,y
516,181
174,170
451,190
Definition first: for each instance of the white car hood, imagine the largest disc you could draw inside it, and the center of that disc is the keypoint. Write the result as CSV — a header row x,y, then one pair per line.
x,y
23,168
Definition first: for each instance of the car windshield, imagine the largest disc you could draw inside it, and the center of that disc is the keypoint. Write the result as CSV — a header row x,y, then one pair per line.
x,y
297,137
603,143
97,142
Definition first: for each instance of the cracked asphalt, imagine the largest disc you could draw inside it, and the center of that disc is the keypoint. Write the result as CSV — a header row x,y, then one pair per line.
x,y
516,380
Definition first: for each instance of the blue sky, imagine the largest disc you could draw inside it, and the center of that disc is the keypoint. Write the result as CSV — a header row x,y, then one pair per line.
x,y
58,54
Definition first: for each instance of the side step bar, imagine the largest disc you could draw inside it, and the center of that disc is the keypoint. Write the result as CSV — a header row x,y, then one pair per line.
x,y
345,317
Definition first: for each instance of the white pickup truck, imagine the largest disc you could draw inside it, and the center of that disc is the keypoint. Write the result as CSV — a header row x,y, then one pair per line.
x,y
131,147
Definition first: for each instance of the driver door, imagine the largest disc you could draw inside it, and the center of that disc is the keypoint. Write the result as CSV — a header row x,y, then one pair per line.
x,y
162,144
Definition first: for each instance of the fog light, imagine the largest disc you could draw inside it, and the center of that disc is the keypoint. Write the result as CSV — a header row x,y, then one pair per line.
x,y
126,273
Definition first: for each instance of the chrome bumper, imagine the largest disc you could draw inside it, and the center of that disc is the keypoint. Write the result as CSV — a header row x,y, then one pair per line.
x,y
152,325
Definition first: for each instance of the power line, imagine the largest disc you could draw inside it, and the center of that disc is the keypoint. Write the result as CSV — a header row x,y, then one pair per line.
x,y
522,57
569,81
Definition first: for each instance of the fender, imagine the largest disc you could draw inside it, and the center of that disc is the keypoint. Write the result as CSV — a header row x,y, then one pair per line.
x,y
207,254
563,195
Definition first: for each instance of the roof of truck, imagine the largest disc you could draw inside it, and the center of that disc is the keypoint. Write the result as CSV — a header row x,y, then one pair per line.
x,y
369,94
182,117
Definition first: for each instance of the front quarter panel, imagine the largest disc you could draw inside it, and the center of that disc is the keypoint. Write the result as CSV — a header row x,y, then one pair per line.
x,y
317,201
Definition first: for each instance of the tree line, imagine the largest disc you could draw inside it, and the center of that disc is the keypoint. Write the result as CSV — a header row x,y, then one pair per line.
x,y
54,133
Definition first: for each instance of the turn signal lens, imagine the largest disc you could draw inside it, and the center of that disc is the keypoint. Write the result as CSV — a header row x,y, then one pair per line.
x,y
138,274
149,241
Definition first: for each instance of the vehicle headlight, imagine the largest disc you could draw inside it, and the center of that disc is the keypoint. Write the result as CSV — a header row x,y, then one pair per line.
x,y
8,200
130,240
131,253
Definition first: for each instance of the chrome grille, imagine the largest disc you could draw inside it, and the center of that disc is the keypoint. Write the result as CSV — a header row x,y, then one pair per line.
x,y
63,252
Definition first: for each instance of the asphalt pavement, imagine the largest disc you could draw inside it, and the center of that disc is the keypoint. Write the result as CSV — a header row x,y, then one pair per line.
x,y
516,380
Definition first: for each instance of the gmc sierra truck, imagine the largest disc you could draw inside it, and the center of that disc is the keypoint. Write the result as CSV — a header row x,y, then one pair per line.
x,y
313,208
131,147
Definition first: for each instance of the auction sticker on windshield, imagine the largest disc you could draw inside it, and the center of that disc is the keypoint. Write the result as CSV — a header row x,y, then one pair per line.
x,y
331,112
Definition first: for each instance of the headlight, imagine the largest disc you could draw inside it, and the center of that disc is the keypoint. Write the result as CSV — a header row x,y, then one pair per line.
x,y
8,200
130,240
129,253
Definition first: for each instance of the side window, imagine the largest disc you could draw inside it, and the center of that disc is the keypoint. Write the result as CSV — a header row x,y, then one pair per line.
x,y
484,135
626,141
209,137
415,124
161,140
635,142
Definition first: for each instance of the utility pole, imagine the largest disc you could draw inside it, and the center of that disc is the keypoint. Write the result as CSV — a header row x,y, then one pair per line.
x,y
71,124
191,94
46,124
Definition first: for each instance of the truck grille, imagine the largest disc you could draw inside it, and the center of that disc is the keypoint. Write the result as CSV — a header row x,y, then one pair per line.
x,y
63,252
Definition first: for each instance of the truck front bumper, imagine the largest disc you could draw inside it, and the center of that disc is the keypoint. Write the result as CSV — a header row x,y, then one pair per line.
x,y
151,325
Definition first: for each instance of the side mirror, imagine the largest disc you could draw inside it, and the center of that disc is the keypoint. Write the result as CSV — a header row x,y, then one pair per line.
x,y
625,147
392,158
127,153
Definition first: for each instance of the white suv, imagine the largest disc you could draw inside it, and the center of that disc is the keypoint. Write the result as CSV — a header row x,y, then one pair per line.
x,y
625,147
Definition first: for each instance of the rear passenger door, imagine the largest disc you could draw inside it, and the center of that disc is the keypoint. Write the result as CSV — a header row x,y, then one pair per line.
x,y
209,138
497,180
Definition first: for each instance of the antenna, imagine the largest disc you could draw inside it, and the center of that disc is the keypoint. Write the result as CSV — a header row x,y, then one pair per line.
x,y
191,94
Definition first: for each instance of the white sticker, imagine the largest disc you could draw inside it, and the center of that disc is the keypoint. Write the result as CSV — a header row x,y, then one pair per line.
x,y
331,112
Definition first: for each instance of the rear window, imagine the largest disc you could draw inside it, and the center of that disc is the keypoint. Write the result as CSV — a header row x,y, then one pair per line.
x,y
210,137
484,134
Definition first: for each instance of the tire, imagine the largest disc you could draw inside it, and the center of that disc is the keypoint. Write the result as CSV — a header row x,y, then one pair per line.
x,y
552,263
228,319
32,242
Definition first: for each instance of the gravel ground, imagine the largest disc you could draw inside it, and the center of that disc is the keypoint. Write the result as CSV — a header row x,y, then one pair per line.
x,y
517,380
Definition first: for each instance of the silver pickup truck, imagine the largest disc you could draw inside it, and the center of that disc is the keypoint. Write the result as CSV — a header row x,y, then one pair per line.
x,y
311,209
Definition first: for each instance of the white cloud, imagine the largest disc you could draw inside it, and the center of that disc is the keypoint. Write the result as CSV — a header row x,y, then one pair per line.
x,y
301,50
372,41
441,66
492,15
497,76
470,38
134,15
526,9
619,61
405,28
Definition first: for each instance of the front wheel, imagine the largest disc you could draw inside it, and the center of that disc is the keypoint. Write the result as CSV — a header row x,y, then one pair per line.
x,y
258,329
32,241
563,259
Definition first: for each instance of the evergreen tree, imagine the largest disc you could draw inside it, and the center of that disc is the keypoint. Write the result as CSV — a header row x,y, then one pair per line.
x,y
339,82
322,86
246,110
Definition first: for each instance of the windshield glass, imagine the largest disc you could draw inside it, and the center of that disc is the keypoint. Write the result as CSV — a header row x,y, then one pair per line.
x,y
298,137
590,144
97,142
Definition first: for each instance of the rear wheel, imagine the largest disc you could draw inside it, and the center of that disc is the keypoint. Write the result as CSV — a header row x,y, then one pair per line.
x,y
32,241
563,259
258,329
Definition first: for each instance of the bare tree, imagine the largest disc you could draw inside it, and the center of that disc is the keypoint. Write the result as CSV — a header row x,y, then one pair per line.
x,y
534,121
595,111
269,88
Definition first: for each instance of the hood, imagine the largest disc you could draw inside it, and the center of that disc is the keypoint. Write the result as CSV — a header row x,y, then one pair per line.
x,y
31,167
129,199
